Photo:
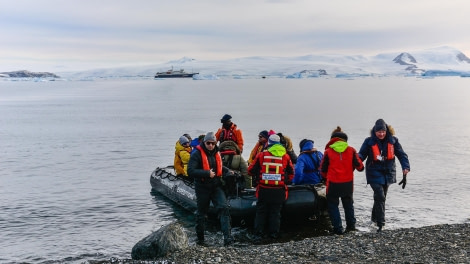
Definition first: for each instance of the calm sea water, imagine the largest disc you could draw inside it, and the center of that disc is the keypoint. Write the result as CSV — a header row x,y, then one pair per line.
x,y
76,157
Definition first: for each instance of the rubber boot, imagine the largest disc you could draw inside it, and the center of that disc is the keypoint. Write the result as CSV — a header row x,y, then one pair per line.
x,y
226,228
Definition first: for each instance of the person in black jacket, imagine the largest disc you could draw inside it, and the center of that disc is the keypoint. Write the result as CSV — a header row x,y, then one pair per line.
x,y
205,166
380,150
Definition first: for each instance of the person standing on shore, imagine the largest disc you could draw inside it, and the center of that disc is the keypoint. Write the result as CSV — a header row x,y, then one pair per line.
x,y
205,166
273,170
337,168
380,150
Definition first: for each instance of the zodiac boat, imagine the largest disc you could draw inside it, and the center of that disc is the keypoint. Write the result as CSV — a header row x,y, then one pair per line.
x,y
303,200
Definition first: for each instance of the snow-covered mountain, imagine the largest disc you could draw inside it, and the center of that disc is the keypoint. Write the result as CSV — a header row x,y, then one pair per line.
x,y
441,61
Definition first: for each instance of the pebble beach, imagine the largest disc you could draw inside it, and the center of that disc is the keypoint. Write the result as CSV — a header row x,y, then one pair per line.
x,y
430,244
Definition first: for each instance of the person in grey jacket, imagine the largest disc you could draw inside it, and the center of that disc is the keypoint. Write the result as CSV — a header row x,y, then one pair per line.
x,y
380,150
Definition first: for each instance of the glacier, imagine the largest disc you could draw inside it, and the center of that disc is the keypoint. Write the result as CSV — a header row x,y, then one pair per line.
x,y
427,63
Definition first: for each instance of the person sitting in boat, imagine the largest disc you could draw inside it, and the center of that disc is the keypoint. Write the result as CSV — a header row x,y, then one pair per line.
x,y
259,146
205,166
287,143
273,171
229,131
182,154
195,142
232,158
307,168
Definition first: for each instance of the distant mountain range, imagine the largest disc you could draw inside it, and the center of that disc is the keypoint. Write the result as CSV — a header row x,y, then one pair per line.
x,y
441,61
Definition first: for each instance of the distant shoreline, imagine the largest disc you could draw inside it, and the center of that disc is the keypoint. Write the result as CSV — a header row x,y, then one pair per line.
x,y
27,74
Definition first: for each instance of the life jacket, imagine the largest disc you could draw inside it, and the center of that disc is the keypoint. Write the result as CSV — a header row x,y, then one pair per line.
x,y
228,134
390,152
227,157
256,149
272,170
228,152
205,161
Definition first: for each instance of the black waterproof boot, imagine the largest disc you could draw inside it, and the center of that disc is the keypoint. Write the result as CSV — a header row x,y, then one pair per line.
x,y
338,231
228,240
200,238
274,235
379,229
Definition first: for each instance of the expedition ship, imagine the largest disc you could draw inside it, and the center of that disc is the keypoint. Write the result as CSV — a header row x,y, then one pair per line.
x,y
175,74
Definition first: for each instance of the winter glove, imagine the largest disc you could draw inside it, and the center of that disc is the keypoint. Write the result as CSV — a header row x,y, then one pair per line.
x,y
403,181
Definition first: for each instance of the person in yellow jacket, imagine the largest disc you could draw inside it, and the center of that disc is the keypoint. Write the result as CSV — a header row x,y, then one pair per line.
x,y
182,154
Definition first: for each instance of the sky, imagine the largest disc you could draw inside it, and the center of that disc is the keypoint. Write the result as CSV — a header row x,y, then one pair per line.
x,y
58,36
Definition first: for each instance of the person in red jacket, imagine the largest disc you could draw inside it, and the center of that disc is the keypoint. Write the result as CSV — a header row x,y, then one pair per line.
x,y
273,170
337,168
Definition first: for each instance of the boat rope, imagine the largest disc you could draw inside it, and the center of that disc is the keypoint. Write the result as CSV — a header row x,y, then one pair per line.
x,y
162,173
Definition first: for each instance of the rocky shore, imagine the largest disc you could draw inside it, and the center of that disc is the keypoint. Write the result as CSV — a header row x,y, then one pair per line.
x,y
431,244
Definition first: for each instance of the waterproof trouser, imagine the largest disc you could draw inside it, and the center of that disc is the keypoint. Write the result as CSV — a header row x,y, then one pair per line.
x,y
270,212
378,210
205,193
335,216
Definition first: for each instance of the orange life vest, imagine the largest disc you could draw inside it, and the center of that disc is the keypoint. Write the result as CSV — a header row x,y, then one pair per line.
x,y
228,134
228,152
205,161
390,152
272,170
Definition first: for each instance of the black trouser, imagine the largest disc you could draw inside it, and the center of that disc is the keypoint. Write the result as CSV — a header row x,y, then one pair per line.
x,y
335,216
378,210
268,208
271,212
205,193
345,192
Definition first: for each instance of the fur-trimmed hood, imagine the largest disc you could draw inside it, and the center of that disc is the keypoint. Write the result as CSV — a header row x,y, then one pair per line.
x,y
229,145
390,131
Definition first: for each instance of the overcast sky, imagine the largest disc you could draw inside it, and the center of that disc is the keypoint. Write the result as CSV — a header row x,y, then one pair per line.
x,y
61,35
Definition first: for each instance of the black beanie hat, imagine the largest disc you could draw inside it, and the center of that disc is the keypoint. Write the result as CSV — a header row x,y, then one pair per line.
x,y
264,134
225,118
380,125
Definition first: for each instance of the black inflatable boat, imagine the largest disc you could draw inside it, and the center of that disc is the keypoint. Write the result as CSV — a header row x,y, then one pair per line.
x,y
303,201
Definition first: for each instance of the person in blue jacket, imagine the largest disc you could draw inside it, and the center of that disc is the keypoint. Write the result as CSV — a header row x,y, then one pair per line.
x,y
307,168
380,150
195,142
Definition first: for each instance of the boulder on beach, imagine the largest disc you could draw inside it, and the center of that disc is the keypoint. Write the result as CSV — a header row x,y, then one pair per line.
x,y
167,239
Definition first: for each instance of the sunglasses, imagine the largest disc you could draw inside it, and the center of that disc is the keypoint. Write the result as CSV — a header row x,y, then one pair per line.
x,y
210,143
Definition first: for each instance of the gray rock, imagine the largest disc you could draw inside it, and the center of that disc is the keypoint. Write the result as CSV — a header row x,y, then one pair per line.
x,y
167,239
